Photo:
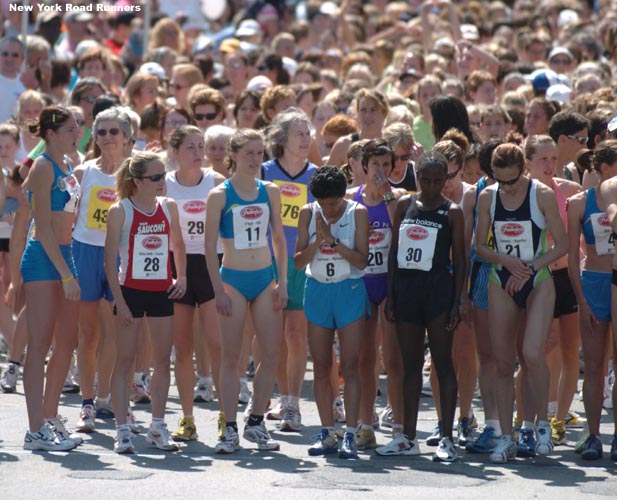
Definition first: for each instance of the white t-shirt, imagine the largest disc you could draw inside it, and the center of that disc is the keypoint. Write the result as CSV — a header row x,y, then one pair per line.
x,y
12,88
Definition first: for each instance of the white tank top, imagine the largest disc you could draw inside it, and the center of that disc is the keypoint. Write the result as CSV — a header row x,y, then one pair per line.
x,y
327,265
98,193
191,202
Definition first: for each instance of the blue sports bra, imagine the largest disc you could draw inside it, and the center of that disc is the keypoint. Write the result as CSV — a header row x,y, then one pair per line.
x,y
232,200
65,190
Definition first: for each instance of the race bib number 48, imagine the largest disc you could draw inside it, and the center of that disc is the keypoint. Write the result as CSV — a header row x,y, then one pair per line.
x,y
150,254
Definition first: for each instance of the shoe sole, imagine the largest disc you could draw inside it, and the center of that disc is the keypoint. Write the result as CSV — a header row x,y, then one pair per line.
x,y
183,439
589,456
432,443
222,451
172,448
287,427
85,429
127,451
321,453
72,390
444,460
141,401
348,456
202,400
105,414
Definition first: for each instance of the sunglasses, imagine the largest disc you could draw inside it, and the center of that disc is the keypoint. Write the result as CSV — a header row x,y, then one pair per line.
x,y
452,175
176,86
80,122
88,98
406,157
103,132
153,178
580,138
510,182
14,55
563,62
262,67
205,116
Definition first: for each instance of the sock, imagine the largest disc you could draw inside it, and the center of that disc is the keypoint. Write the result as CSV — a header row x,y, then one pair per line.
x,y
293,401
122,427
351,430
103,401
233,425
157,422
365,426
527,424
552,407
543,423
87,402
254,420
495,425
137,378
188,416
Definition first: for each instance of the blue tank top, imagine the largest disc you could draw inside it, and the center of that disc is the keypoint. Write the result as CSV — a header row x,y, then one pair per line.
x,y
232,200
596,226
294,195
65,190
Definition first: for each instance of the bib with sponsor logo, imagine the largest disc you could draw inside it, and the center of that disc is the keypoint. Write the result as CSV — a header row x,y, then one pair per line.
x,y
150,255
416,247
99,201
603,234
515,238
192,222
328,266
378,248
293,197
250,223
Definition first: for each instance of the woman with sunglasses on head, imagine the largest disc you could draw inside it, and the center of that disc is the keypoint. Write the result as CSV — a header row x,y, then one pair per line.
x,y
141,227
520,211
190,186
49,278
424,295
563,344
587,217
95,350
240,211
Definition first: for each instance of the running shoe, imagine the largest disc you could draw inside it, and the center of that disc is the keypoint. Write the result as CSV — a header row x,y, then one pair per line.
x,y
580,444
339,410
187,431
228,443
324,444
375,422
70,386
131,421
526,445
574,421
386,418
504,451
435,437
592,449
46,439
139,393
86,419
276,413
248,410
614,449
544,445
245,393
349,447
8,382
123,443
292,420
365,439
59,428
104,411
485,443
427,390
463,431
607,402
400,445
260,435
446,452
558,431
204,391
159,436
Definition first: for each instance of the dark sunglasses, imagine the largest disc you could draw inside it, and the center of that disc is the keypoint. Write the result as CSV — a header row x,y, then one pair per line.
x,y
15,55
153,178
103,132
262,67
175,86
451,176
580,138
205,116
510,182
406,157
88,98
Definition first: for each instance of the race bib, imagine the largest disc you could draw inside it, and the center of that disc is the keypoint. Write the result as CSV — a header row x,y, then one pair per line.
x,y
515,238
328,266
603,233
293,198
101,198
378,247
416,247
70,185
192,220
250,226
150,254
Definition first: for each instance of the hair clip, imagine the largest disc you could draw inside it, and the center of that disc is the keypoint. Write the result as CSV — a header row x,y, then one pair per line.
x,y
53,118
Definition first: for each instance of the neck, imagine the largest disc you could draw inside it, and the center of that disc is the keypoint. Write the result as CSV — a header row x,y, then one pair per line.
x,y
111,161
244,181
370,133
146,203
220,168
292,164
189,176
371,192
457,193
562,161
54,153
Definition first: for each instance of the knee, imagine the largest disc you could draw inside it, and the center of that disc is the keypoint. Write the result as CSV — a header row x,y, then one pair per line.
x,y
504,367
350,369
322,370
533,359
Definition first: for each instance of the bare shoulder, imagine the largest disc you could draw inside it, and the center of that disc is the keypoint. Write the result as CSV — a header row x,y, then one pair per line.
x,y
568,188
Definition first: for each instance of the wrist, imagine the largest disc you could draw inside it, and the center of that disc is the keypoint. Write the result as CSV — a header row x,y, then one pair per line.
x,y
68,279
388,196
335,242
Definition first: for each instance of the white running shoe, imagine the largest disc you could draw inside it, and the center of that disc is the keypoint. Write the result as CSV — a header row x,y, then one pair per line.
x,y
276,413
86,421
386,419
159,436
46,439
59,428
131,421
245,393
400,445
260,435
446,452
292,420
544,444
228,443
123,442
204,391
504,451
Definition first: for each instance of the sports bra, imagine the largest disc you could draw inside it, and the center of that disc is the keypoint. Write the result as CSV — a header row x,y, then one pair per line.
x,y
65,190
232,200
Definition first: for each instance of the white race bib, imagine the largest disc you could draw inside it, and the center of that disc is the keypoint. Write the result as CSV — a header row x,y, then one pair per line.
x,y
603,233
150,254
378,248
328,266
515,238
416,247
250,226
192,220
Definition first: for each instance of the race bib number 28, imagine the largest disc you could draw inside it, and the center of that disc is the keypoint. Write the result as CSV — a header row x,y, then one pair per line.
x,y
150,254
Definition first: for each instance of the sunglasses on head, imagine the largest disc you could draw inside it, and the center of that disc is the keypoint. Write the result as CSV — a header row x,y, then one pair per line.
x,y
205,116
103,132
153,178
406,157
14,55
580,138
510,182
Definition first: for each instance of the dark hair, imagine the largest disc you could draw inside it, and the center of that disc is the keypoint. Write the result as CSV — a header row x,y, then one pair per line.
x,y
181,133
450,112
605,152
432,158
51,118
566,123
328,182
376,147
104,102
485,154
243,96
508,155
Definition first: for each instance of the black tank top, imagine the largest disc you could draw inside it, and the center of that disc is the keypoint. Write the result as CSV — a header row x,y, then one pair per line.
x,y
408,182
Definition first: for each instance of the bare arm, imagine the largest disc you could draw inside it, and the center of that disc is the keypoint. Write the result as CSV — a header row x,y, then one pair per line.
x,y
178,287
548,205
115,221
457,224
305,249
279,245
214,208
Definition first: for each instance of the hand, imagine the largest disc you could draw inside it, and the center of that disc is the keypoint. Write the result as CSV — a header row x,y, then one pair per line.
x,y
515,285
382,184
587,316
154,146
124,314
223,304
71,290
454,318
177,288
465,309
323,229
416,152
389,310
279,294
516,266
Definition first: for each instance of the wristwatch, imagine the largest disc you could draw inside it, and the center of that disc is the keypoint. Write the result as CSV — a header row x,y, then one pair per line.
x,y
335,242
388,197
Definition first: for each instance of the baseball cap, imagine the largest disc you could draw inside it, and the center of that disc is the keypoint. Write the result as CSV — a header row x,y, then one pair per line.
x,y
75,16
559,92
248,27
557,51
153,68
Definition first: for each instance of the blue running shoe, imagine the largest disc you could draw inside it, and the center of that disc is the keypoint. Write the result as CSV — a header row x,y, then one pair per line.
x,y
349,447
526,445
485,443
324,444
593,448
463,431
614,449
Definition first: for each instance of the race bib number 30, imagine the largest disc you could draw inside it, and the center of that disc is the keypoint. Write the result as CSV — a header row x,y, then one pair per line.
x,y
378,247
101,198
603,234
150,254
293,198
416,247
250,226
515,238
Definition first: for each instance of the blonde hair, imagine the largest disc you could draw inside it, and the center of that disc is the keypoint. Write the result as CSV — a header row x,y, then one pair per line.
x,y
131,169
